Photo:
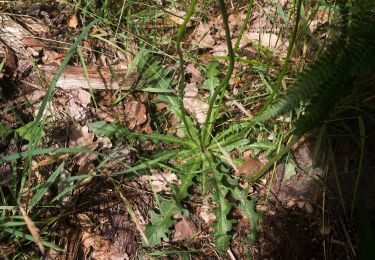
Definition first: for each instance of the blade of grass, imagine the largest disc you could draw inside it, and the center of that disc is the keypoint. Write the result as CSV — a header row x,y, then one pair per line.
x,y
20,234
212,115
180,34
82,60
37,129
360,164
284,68
33,230
243,27
25,154
41,189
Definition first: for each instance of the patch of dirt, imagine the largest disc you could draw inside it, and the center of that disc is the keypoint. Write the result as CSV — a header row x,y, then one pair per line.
x,y
101,227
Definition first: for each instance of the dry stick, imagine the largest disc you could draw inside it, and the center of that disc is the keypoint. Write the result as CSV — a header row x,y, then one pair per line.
x,y
278,156
180,34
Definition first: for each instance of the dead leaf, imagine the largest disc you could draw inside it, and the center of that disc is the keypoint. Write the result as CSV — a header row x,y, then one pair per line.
x,y
205,212
160,106
135,114
325,230
248,167
196,76
51,57
79,135
146,128
33,43
10,61
271,40
184,229
73,21
83,97
176,16
160,181
77,104
194,104
202,36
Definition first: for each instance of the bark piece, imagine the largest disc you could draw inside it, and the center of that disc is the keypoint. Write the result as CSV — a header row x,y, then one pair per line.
x,y
14,36
100,77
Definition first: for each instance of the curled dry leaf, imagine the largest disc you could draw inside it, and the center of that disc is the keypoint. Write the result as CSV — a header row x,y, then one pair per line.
x,y
248,167
79,135
73,21
52,57
194,71
176,16
271,40
184,229
135,114
194,104
202,37
77,104
205,213
160,181
160,106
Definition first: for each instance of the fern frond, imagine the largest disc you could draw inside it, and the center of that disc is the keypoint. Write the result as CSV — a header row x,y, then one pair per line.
x,y
329,79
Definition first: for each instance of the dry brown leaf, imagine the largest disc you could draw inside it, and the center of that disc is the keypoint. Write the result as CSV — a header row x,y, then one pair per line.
x,y
73,21
194,104
176,16
10,61
184,229
52,57
196,76
271,40
160,181
32,42
248,167
205,213
77,104
35,95
79,135
135,114
160,106
202,37
146,128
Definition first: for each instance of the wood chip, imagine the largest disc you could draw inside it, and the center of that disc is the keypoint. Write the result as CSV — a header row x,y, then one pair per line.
x,y
100,77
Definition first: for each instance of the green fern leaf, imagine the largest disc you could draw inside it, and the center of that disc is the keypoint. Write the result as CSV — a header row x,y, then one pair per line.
x,y
161,223
212,80
190,172
328,80
248,207
222,225
103,128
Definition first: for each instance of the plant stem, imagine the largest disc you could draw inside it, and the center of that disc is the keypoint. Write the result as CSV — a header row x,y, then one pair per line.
x,y
284,68
210,119
278,156
180,34
243,27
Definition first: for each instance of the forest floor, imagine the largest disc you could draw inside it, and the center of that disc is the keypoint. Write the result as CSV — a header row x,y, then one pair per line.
x,y
83,209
